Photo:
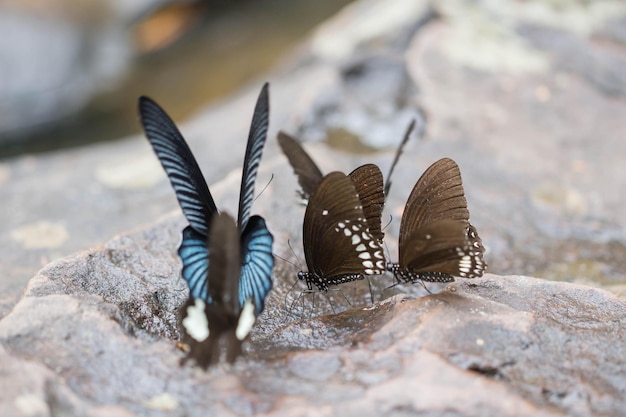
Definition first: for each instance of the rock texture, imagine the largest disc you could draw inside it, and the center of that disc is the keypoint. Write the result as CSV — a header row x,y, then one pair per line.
x,y
530,104
95,333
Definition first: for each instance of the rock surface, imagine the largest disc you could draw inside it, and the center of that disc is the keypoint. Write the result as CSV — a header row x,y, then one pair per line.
x,y
96,332
536,133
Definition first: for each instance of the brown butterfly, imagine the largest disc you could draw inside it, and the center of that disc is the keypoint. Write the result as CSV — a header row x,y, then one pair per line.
x,y
437,241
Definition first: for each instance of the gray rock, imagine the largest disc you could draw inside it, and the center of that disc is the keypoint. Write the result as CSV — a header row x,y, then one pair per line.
x,y
97,330
100,327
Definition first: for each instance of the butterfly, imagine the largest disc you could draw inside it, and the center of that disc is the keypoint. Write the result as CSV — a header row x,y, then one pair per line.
x,y
224,320
367,179
338,245
436,241
200,240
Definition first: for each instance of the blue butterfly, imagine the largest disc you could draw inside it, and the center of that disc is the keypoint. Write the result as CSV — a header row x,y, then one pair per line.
x,y
196,202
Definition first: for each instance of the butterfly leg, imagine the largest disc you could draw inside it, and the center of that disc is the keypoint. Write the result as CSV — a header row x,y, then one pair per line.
x,y
425,287
287,296
292,306
369,285
330,303
394,285
344,296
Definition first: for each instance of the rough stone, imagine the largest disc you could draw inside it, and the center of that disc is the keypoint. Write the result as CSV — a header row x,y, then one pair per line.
x,y
101,326
90,330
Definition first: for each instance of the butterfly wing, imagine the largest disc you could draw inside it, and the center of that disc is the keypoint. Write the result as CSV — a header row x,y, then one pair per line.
x,y
252,158
436,247
437,195
178,162
193,252
257,262
435,233
335,231
368,182
477,265
309,175
191,191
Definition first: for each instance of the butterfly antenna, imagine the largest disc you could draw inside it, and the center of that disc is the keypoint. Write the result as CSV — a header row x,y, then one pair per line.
x,y
407,135
266,185
388,223
285,260
294,253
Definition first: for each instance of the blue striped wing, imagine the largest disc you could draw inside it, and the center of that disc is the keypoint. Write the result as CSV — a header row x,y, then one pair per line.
x,y
194,252
199,208
178,162
254,150
257,262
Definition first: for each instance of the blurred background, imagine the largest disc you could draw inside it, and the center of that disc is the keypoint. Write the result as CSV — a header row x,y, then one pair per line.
x,y
70,71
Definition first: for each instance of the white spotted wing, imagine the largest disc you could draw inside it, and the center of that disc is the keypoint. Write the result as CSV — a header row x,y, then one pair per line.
x,y
337,240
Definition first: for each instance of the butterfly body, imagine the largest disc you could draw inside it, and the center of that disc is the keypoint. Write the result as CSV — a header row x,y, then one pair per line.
x,y
224,321
436,241
408,276
227,265
323,282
